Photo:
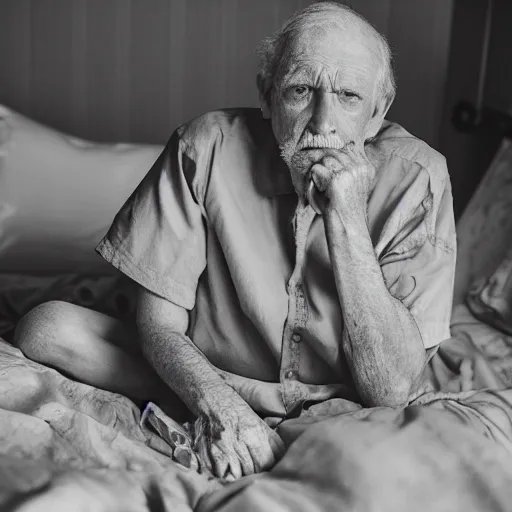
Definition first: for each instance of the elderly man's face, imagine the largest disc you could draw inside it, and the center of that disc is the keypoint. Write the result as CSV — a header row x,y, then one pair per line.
x,y
325,96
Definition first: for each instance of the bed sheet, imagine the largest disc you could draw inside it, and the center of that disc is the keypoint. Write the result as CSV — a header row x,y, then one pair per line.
x,y
68,446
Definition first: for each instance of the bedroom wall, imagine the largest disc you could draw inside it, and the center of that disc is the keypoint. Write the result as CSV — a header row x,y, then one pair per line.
x,y
469,154
133,70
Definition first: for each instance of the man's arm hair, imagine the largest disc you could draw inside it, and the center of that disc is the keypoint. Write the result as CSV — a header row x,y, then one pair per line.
x,y
162,328
381,340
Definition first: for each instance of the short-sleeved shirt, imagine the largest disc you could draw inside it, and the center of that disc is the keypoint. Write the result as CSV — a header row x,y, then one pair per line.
x,y
215,228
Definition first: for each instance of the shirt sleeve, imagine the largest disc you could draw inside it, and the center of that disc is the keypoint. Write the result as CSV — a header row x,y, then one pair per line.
x,y
158,238
418,252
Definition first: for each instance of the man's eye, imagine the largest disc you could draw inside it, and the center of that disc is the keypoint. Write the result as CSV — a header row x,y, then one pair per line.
x,y
350,95
300,90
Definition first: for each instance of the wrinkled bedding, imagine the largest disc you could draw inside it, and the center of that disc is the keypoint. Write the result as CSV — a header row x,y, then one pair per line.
x,y
62,441
68,446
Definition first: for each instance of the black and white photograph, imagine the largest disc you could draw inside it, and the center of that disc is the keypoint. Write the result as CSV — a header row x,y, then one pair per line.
x,y
256,255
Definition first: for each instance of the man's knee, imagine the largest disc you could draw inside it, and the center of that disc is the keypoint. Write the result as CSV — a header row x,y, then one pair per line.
x,y
42,333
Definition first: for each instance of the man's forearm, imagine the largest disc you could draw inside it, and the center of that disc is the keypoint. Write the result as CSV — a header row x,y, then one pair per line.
x,y
382,343
182,367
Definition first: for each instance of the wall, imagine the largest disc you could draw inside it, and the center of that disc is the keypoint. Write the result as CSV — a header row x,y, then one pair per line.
x,y
133,70
469,154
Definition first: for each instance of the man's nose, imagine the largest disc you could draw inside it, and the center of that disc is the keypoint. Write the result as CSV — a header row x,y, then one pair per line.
x,y
323,120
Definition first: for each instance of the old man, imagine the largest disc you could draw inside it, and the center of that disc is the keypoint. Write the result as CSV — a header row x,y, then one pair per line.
x,y
285,255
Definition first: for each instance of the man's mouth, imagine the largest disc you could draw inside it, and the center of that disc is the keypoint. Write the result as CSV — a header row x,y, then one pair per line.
x,y
315,148
315,152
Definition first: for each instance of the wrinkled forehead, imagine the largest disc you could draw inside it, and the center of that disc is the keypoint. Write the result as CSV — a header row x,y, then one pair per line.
x,y
336,49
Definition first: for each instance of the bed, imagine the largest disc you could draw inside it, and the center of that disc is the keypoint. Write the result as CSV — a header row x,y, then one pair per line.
x,y
68,446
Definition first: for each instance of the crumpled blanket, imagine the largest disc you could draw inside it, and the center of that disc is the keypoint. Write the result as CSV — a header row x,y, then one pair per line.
x,y
71,447
68,446
436,456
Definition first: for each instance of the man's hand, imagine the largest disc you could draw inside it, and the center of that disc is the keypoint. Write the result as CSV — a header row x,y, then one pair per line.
x,y
234,438
343,179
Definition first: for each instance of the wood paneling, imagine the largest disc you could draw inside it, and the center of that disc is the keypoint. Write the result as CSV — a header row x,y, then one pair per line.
x,y
133,70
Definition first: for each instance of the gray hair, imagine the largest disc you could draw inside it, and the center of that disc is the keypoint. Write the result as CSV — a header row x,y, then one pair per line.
x,y
271,49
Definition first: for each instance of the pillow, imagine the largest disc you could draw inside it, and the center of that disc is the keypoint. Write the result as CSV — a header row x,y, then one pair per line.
x,y
485,228
490,299
59,195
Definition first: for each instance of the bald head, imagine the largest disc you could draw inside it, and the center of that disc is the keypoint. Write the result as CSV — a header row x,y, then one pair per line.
x,y
312,22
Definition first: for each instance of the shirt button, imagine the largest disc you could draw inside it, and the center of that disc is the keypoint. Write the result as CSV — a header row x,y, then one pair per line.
x,y
290,375
297,338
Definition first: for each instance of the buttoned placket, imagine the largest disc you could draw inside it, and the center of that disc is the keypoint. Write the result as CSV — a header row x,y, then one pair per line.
x,y
298,312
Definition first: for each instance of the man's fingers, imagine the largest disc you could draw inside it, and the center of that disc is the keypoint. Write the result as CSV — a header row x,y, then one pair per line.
x,y
245,459
225,462
277,445
352,155
332,163
235,467
219,461
321,176
262,457
338,163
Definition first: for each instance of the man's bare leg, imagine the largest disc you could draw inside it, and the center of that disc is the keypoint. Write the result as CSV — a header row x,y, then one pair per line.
x,y
92,348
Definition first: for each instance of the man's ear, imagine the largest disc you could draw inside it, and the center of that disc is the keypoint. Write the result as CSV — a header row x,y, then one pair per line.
x,y
379,114
264,87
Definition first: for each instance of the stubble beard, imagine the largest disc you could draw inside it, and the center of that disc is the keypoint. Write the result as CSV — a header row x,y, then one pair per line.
x,y
298,163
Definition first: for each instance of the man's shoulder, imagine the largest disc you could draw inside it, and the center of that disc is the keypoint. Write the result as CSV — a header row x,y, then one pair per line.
x,y
394,141
235,145
223,126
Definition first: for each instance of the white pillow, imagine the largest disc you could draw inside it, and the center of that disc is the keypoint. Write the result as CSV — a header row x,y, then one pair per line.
x,y
59,195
